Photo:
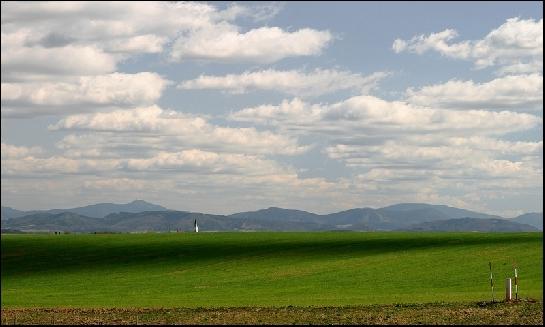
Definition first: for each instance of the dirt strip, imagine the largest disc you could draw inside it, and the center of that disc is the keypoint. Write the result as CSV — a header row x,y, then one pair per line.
x,y
523,313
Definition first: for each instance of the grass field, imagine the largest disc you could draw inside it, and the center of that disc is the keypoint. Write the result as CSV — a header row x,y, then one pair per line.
x,y
213,270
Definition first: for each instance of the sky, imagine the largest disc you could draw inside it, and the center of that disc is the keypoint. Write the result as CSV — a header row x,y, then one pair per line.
x,y
222,107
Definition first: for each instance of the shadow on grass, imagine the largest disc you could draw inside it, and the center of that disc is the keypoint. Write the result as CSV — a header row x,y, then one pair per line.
x,y
94,252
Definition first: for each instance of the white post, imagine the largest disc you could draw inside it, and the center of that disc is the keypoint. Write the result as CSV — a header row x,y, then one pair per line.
x,y
508,289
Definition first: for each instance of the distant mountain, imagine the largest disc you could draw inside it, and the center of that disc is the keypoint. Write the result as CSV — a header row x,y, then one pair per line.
x,y
143,216
64,221
473,224
160,221
99,210
387,218
277,214
8,213
406,214
166,221
358,219
534,219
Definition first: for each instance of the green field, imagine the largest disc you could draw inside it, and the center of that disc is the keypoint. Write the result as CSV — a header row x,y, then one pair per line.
x,y
264,269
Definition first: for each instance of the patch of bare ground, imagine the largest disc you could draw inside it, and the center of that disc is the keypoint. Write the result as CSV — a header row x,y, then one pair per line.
x,y
527,312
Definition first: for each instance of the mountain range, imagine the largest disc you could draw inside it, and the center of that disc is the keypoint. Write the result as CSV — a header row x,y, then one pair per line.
x,y
99,210
143,216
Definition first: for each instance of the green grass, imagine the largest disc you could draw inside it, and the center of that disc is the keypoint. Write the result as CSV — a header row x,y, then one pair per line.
x,y
264,269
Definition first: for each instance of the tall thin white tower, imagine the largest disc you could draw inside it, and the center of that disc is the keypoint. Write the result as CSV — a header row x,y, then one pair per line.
x,y
196,226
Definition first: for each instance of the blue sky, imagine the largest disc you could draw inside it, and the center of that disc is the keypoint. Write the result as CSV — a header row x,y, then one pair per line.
x,y
222,107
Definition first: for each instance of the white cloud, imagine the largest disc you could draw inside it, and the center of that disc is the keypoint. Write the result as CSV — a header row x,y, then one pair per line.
x,y
514,47
148,43
30,166
522,92
224,42
49,39
191,176
435,41
206,162
218,193
84,94
31,63
10,151
294,82
86,38
450,153
20,161
68,51
155,127
371,116
406,152
193,161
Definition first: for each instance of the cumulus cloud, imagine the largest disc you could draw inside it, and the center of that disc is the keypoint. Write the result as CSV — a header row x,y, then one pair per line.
x,y
516,93
155,126
186,177
397,148
35,162
82,38
50,24
514,47
449,154
84,94
226,43
94,39
30,166
192,161
10,151
36,63
294,82
371,116
206,162
71,50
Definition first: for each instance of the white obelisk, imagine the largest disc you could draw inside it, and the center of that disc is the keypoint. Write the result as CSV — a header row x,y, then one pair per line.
x,y
196,226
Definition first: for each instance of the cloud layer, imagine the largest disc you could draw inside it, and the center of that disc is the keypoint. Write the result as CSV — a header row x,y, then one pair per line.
x,y
87,93
317,82
372,116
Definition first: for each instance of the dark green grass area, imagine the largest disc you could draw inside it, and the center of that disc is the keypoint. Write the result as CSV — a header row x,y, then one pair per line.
x,y
521,313
264,269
